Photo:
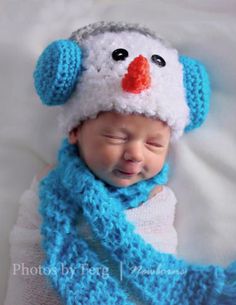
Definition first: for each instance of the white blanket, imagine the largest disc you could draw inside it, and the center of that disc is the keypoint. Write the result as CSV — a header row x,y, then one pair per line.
x,y
203,163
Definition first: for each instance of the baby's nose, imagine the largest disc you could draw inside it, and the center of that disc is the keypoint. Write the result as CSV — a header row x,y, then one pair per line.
x,y
134,152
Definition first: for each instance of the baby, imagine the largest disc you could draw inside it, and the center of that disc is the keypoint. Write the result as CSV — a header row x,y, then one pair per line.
x,y
106,215
123,150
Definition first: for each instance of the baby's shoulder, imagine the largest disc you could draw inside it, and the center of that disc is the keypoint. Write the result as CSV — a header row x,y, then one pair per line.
x,y
157,189
163,193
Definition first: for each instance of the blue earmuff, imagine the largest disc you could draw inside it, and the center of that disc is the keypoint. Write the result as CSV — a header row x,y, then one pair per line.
x,y
56,72
197,87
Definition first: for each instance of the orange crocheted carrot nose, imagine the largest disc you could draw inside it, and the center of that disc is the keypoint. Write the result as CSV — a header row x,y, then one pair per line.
x,y
138,77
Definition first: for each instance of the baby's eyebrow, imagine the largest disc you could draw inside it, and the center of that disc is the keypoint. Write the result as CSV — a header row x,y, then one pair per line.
x,y
115,129
156,136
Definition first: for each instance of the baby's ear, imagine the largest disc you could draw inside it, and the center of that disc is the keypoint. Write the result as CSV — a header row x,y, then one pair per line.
x,y
74,135
57,71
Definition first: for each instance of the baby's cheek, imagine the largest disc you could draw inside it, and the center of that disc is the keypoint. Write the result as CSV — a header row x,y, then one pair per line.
x,y
155,164
110,155
101,155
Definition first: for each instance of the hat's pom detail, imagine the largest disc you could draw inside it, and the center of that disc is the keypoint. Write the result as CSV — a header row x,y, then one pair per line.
x,y
138,77
197,86
57,71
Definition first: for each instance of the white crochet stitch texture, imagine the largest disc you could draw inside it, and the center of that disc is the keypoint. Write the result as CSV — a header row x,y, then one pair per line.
x,y
99,86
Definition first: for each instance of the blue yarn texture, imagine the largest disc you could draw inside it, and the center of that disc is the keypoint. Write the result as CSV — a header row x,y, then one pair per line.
x,y
71,187
197,88
57,70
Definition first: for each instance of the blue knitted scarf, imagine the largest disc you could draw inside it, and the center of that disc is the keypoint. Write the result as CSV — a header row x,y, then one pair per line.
x,y
71,188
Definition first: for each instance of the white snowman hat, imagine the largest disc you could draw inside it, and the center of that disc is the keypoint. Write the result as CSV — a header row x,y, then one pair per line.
x,y
125,68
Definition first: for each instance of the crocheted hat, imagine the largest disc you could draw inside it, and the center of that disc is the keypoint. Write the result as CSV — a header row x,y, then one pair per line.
x,y
126,68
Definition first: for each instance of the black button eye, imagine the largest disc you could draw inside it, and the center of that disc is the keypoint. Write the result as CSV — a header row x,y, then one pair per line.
x,y
120,54
158,60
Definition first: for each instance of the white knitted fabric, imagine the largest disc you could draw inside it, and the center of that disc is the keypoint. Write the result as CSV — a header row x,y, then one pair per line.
x,y
99,86
153,220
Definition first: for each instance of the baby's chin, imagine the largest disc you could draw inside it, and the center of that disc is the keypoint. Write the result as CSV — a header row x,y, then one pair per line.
x,y
122,181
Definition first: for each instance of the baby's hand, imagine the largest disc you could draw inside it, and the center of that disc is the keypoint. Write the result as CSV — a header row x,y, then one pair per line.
x,y
156,190
44,171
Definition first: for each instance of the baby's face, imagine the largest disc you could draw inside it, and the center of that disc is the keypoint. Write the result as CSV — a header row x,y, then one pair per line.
x,y
122,149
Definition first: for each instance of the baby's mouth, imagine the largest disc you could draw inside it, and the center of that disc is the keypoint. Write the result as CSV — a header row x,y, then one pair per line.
x,y
127,174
